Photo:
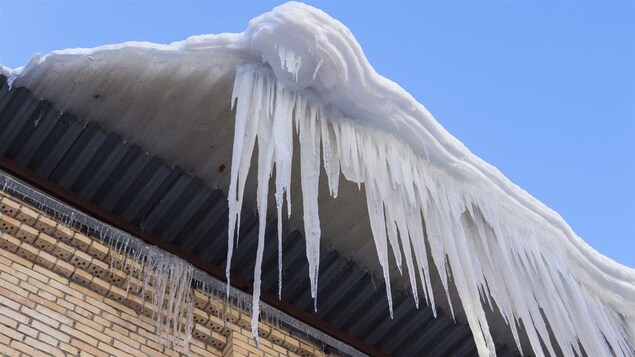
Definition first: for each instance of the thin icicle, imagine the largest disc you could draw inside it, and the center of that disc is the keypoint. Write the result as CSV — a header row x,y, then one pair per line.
x,y
378,226
266,148
283,150
248,87
310,174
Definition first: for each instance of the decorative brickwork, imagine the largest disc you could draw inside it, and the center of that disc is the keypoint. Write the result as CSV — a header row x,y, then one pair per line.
x,y
59,295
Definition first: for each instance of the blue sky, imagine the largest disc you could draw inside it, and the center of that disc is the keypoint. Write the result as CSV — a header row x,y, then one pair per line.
x,y
545,91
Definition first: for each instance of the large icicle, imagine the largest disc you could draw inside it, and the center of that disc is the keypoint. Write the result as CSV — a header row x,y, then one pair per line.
x,y
245,128
310,173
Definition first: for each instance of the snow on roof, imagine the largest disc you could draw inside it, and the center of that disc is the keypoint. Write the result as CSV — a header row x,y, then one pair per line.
x,y
438,206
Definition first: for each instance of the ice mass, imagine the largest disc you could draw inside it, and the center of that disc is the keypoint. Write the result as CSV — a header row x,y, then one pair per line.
x,y
305,99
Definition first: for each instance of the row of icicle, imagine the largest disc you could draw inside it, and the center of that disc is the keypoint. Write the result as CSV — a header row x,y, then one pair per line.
x,y
487,245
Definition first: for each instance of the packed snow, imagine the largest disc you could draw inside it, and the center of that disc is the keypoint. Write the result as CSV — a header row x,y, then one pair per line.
x,y
431,202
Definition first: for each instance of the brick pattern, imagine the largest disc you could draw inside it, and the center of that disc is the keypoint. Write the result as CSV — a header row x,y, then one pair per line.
x,y
59,296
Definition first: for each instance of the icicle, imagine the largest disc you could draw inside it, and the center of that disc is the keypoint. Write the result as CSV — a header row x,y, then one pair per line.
x,y
283,148
331,158
377,223
244,141
310,174
266,147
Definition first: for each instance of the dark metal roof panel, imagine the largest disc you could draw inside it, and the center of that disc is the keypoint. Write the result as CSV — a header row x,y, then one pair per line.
x,y
179,208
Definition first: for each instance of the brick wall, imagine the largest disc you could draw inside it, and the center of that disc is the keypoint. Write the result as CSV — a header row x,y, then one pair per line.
x,y
59,296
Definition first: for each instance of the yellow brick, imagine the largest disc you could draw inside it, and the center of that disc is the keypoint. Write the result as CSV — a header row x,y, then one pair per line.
x,y
201,332
16,258
151,352
63,251
8,206
26,285
6,321
238,350
9,277
81,304
200,299
12,333
30,351
46,295
45,224
4,262
120,330
26,233
84,313
65,303
98,334
263,330
40,317
68,348
279,349
152,340
200,316
4,340
117,294
134,302
13,296
99,301
58,353
48,340
75,316
53,314
63,233
123,339
63,268
31,273
117,277
291,344
148,323
81,277
80,242
216,324
83,346
217,340
28,252
102,322
109,349
9,242
80,336
9,225
65,288
98,250
45,242
28,331
85,292
80,259
59,294
276,337
136,337
98,268
45,329
46,259
26,215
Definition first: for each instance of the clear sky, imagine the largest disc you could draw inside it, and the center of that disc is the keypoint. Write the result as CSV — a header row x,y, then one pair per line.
x,y
545,91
